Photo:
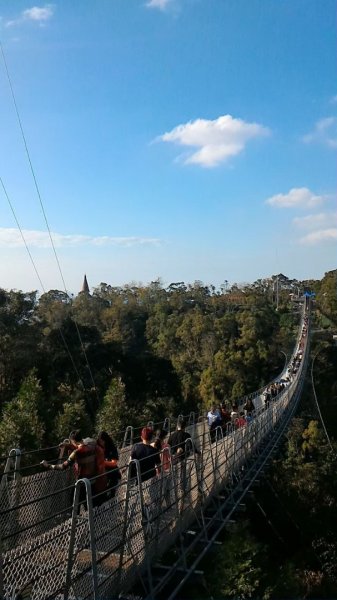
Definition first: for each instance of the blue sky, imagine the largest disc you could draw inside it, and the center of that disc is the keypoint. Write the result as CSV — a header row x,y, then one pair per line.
x,y
181,139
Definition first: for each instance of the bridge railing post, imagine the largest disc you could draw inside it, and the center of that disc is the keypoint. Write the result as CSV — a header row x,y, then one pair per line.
x,y
218,446
229,444
128,436
132,512
12,467
190,467
10,491
210,444
191,418
80,484
167,425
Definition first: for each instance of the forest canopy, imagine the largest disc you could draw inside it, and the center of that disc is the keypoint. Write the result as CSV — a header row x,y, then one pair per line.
x,y
128,354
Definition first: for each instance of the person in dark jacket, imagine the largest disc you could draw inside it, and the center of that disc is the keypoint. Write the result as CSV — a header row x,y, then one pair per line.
x,y
177,440
249,407
161,445
110,461
148,457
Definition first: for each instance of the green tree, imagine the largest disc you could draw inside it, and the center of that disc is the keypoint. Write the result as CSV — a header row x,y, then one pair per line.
x,y
86,310
113,415
207,387
73,416
53,309
327,295
238,570
18,340
21,426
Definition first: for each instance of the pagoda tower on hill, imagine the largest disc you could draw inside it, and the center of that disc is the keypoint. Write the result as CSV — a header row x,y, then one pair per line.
x,y
85,287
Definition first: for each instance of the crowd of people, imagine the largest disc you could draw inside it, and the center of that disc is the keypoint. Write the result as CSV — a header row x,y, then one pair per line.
x,y
272,391
96,459
296,361
222,415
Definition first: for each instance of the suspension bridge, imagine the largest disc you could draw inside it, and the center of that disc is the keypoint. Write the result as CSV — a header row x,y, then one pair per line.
x,y
54,548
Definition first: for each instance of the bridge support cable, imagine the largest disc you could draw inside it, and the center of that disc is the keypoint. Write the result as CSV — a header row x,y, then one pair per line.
x,y
316,400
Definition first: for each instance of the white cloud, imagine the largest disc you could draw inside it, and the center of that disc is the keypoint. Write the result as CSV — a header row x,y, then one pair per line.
x,y
217,140
13,22
325,132
317,237
36,14
316,220
296,197
333,100
160,4
11,238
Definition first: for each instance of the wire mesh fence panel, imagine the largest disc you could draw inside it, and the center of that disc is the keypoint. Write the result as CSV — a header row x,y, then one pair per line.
x,y
124,456
79,561
39,564
34,505
222,467
133,554
164,517
207,475
108,520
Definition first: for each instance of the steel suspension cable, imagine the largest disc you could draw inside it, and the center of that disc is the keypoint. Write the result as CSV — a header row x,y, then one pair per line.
x,y
21,233
41,203
31,164
38,276
316,400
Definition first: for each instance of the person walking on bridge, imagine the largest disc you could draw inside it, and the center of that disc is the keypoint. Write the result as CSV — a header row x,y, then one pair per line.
x,y
111,458
177,440
148,457
214,420
249,407
87,458
180,443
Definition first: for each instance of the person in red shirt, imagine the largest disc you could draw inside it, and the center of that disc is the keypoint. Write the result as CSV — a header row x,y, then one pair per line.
x,y
240,421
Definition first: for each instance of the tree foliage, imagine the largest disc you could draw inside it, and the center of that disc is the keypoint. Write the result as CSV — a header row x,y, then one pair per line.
x,y
73,415
21,425
113,409
174,349
237,571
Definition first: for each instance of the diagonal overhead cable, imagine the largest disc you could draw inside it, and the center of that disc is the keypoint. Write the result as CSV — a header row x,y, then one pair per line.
x,y
31,166
21,233
316,400
41,204
39,278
